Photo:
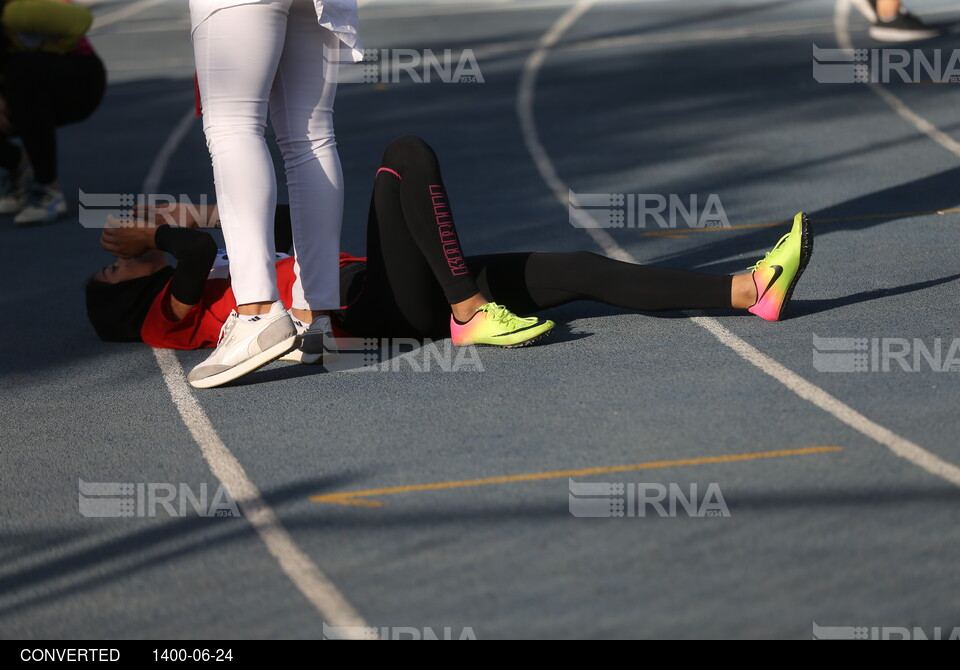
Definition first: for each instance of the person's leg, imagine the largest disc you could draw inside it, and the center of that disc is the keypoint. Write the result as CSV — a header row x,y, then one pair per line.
x,y
888,9
31,81
46,91
401,296
32,92
531,282
416,275
43,91
411,203
535,281
409,286
237,53
301,109
413,181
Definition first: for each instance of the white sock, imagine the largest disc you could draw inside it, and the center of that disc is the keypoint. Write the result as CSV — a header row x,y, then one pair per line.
x,y
250,318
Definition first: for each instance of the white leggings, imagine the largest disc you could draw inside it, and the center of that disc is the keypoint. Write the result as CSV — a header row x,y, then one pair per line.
x,y
252,57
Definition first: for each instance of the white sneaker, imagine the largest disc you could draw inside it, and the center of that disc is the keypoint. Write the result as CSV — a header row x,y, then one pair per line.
x,y
316,344
44,205
246,346
13,189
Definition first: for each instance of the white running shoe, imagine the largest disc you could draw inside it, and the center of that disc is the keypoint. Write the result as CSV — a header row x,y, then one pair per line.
x,y
316,343
44,205
246,346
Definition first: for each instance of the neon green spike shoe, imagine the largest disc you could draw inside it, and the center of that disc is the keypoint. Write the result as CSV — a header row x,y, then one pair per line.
x,y
776,276
497,326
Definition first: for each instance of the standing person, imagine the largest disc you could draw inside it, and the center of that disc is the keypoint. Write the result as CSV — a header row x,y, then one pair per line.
x,y
278,55
51,77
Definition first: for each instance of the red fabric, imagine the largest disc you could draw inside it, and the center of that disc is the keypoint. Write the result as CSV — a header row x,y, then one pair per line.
x,y
196,95
84,48
200,329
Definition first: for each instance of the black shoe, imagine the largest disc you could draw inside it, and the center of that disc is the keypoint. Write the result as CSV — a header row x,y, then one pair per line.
x,y
904,27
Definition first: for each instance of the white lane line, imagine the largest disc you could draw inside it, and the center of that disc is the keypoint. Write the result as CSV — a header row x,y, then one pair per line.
x,y
118,15
841,23
831,405
304,573
531,136
151,184
804,389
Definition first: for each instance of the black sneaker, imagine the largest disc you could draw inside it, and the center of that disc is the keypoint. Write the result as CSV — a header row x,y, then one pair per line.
x,y
904,27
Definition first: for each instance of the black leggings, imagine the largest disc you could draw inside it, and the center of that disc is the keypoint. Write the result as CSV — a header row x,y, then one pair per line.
x,y
44,91
415,267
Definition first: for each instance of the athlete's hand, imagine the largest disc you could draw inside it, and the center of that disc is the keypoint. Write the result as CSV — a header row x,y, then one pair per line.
x,y
128,239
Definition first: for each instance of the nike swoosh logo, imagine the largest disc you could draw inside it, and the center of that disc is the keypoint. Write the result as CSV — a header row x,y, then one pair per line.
x,y
519,330
777,272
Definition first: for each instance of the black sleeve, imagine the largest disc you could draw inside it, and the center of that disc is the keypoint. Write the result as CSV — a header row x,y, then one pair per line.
x,y
195,252
283,229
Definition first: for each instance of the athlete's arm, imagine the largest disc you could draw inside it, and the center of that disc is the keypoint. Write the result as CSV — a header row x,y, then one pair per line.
x,y
194,250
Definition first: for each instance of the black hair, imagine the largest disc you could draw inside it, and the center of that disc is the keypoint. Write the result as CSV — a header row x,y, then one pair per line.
x,y
117,311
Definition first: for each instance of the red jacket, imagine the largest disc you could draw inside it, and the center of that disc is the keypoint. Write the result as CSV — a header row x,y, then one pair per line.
x,y
200,329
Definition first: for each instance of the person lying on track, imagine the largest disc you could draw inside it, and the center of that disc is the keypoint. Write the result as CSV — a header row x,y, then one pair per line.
x,y
415,282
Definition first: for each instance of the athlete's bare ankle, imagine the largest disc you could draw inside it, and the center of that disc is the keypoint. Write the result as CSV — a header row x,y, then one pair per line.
x,y
464,311
743,292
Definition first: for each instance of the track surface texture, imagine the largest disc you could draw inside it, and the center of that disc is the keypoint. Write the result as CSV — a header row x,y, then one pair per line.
x,y
631,97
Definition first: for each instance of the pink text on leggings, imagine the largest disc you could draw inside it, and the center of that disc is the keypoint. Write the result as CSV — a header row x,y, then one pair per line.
x,y
448,233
